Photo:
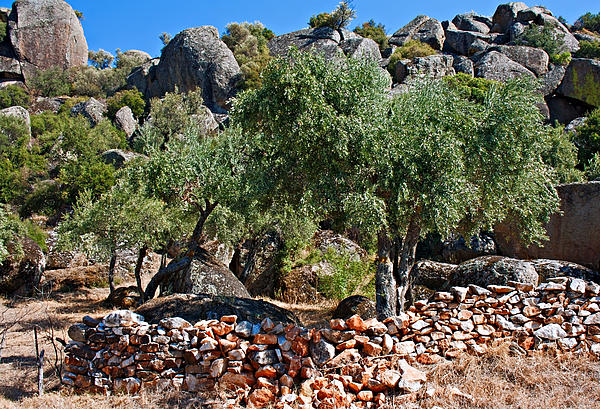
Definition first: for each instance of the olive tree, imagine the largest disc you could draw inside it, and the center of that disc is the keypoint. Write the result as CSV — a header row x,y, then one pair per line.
x,y
327,140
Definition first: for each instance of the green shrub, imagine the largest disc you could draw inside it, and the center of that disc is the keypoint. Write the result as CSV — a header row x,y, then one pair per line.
x,y
592,170
131,98
589,21
546,38
587,138
11,229
471,88
127,61
588,49
86,81
45,198
52,82
320,20
375,32
85,173
3,31
100,59
408,51
561,154
13,95
561,59
68,105
347,276
248,42
44,122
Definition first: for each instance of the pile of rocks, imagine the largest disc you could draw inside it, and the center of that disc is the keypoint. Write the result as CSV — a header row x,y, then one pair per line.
x,y
354,363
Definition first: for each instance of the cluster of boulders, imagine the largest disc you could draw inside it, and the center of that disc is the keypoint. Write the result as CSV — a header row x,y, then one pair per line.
x,y
354,363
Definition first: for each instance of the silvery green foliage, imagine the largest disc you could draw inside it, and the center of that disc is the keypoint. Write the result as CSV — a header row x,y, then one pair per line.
x,y
10,231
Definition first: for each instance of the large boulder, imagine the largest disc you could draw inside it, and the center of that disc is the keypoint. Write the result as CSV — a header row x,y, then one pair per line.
x,y
472,22
46,33
534,59
21,275
422,28
330,43
432,66
194,308
327,239
119,158
551,80
10,68
572,236
488,270
564,110
125,121
582,81
496,66
558,268
144,76
505,15
456,249
466,42
300,285
355,304
194,58
205,275
543,17
431,274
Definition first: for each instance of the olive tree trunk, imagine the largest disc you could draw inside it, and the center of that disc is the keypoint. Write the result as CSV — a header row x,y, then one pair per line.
x,y
406,262
138,271
111,272
385,283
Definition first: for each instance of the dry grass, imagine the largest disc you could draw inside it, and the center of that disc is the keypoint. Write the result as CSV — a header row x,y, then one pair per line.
x,y
502,380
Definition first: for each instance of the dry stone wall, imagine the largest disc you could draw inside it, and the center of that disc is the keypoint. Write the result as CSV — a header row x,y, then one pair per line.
x,y
354,363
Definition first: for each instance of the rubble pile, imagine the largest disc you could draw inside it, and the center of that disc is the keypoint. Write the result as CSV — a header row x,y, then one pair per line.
x,y
354,363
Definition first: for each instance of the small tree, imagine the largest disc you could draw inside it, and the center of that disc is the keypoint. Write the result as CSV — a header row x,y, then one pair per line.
x,y
100,59
375,32
165,38
338,19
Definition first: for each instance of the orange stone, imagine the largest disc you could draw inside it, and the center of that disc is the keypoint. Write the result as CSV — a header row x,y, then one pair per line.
x,y
260,398
365,396
356,323
266,371
265,339
338,324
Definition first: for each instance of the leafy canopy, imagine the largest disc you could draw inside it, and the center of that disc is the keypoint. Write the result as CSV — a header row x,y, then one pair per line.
x,y
375,32
338,19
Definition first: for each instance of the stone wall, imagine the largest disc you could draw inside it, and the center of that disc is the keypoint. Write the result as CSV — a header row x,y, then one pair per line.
x,y
573,235
354,363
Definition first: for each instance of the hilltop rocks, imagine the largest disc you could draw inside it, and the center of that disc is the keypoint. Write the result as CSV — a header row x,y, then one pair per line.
x,y
582,81
496,66
424,29
573,236
466,43
18,112
534,59
46,33
326,41
506,15
92,109
472,22
432,66
194,58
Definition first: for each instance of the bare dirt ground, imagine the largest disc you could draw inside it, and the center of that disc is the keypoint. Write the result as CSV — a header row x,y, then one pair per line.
x,y
497,380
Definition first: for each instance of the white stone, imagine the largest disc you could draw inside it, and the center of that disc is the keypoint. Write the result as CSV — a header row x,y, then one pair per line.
x,y
550,332
122,318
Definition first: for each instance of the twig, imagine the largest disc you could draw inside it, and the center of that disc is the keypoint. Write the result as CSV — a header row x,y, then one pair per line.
x,y
40,363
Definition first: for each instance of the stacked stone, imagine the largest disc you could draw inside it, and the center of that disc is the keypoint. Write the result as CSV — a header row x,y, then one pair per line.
x,y
354,363
564,312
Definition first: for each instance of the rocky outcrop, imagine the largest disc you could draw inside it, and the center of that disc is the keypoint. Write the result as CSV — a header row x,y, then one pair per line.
x,y
466,43
433,66
564,110
10,68
552,79
203,306
424,29
582,81
194,58
456,250
548,269
332,44
119,158
496,66
506,15
572,235
44,34
18,112
472,22
493,270
534,59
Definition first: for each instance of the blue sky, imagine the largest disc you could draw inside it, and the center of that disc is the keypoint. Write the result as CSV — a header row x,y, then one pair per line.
x,y
136,24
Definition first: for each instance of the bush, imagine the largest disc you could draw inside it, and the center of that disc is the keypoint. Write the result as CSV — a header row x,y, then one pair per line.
x,y
587,138
410,50
13,95
592,170
546,38
347,277
52,82
320,20
127,62
375,32
248,42
474,89
561,154
588,49
337,19
11,229
86,81
589,21
45,198
131,98
100,59
85,173
3,31
44,122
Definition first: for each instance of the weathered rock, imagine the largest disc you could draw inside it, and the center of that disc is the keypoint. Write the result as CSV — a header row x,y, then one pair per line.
x,y
456,250
505,15
552,79
138,55
472,22
433,66
533,14
205,275
556,268
77,332
534,59
122,318
575,124
18,112
564,110
463,64
321,352
42,104
572,235
327,239
74,277
355,304
255,264
541,17
332,44
125,121
144,76
496,66
550,332
487,270
46,33
195,58
10,68
422,28
582,81
22,275
579,36
431,274
92,109
197,307
118,158
300,285
466,42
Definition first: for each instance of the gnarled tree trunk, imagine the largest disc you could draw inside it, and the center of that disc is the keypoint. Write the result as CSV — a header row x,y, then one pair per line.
x,y
385,283
406,262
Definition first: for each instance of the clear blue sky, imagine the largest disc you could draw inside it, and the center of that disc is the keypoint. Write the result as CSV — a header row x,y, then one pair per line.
x,y
136,24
